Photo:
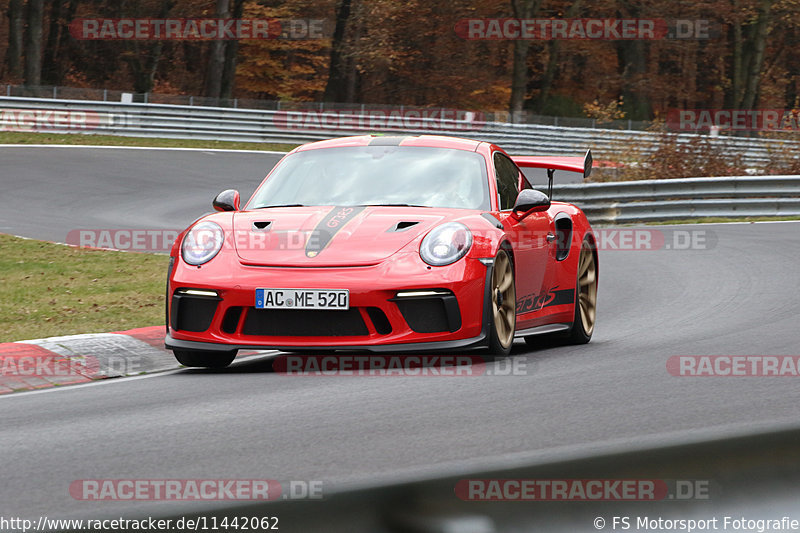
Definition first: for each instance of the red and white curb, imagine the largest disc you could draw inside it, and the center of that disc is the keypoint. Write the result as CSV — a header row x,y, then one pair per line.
x,y
54,361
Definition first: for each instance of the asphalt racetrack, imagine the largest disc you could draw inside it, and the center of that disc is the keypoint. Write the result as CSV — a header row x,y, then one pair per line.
x,y
736,297
51,191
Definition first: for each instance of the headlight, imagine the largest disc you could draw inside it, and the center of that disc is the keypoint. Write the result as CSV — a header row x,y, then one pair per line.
x,y
446,244
202,243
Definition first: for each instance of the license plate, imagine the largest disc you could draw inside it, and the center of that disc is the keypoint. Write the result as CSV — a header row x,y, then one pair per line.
x,y
330,299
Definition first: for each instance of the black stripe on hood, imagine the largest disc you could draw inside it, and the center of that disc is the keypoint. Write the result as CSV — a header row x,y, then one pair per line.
x,y
329,226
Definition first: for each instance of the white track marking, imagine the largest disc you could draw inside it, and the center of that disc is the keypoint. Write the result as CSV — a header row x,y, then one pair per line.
x,y
121,380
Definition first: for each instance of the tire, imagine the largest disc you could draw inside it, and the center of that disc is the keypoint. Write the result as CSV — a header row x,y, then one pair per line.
x,y
204,359
503,305
585,297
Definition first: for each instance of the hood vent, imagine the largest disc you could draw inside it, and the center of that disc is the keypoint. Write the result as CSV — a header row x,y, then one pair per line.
x,y
402,226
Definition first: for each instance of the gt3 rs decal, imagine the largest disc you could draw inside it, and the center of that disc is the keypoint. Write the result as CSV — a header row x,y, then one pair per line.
x,y
534,302
328,227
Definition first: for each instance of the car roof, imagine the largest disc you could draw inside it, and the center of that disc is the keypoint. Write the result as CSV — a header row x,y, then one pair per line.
x,y
433,141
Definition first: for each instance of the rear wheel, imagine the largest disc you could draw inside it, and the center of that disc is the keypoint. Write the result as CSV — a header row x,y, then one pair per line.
x,y
204,359
503,305
585,297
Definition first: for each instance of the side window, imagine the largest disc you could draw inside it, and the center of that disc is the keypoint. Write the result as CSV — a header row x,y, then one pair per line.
x,y
507,176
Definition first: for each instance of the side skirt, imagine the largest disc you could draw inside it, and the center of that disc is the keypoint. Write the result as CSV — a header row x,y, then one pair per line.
x,y
541,330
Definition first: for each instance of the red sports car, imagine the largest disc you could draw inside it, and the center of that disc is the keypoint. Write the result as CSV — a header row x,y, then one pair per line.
x,y
385,243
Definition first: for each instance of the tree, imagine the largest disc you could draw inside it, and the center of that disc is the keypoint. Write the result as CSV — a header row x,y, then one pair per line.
x,y
340,67
523,9
553,61
143,56
749,33
231,56
633,58
216,60
756,57
33,42
16,25
54,61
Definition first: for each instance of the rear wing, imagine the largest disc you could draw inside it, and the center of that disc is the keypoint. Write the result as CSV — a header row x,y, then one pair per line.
x,y
581,165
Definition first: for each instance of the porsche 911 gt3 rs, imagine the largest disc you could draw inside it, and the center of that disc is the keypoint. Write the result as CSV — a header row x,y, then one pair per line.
x,y
385,243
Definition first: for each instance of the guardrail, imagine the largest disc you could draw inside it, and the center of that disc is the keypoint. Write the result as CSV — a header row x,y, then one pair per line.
x,y
658,200
253,125
616,202
113,95
725,466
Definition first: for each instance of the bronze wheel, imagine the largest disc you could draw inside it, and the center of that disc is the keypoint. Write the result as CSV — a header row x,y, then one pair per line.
x,y
504,304
587,288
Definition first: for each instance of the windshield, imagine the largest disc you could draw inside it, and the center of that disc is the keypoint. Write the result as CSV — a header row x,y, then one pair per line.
x,y
378,175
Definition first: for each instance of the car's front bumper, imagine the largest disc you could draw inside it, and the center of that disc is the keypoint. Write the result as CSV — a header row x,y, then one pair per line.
x,y
378,321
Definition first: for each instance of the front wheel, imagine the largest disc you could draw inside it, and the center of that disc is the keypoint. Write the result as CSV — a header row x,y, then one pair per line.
x,y
503,305
204,359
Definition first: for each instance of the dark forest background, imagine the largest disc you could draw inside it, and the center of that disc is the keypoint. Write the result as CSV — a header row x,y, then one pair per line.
x,y
408,53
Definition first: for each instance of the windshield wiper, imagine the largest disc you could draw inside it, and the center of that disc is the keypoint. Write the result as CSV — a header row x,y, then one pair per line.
x,y
280,205
394,205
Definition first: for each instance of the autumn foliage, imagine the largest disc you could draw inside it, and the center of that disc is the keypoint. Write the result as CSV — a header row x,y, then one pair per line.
x,y
408,53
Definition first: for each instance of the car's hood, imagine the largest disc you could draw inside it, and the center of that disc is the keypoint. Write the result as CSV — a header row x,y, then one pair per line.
x,y
330,236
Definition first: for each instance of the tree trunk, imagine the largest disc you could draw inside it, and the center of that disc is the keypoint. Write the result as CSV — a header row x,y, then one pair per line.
x,y
633,60
216,61
523,9
759,44
337,87
737,70
144,59
49,64
63,46
352,78
231,54
553,61
632,56
144,66
33,43
16,23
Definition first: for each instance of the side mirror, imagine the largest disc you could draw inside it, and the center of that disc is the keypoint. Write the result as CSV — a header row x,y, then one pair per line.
x,y
531,201
227,201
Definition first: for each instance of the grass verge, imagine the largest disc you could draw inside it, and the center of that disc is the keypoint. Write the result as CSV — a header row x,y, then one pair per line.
x,y
112,140
51,289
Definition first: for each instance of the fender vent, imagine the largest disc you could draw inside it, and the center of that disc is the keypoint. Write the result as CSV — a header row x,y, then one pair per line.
x,y
564,234
262,225
402,226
